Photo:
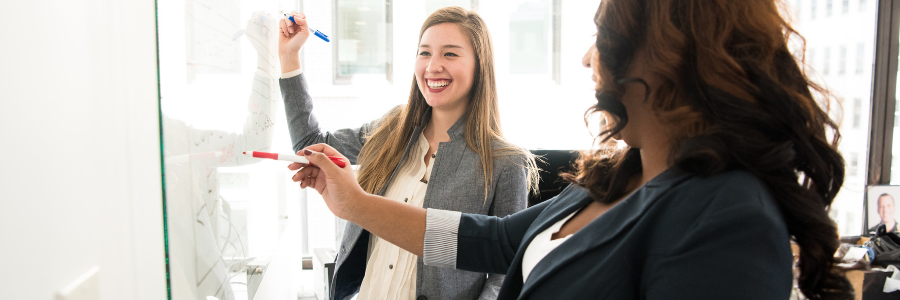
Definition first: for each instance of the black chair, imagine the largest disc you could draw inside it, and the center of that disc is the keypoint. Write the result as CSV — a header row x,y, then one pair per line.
x,y
551,163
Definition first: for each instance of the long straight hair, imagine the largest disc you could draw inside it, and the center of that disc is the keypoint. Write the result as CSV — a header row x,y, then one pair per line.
x,y
739,100
385,146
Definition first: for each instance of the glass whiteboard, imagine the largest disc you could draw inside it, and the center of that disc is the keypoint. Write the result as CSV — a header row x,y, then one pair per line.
x,y
226,213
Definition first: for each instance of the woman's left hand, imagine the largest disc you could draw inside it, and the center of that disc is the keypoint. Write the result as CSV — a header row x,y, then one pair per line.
x,y
338,186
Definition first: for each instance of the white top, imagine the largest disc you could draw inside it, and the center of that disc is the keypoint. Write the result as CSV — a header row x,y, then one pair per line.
x,y
541,245
391,271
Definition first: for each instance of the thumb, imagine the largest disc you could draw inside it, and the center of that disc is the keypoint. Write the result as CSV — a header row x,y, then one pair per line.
x,y
322,161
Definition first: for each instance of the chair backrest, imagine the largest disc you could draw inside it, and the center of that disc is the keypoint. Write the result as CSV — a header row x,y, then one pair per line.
x,y
551,163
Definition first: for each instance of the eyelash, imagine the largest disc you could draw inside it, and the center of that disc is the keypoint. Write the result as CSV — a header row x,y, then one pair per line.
x,y
448,53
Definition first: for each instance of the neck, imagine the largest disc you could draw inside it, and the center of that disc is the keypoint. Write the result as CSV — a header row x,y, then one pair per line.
x,y
441,121
654,160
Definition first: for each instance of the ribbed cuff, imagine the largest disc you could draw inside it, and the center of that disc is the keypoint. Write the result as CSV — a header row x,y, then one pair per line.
x,y
441,238
292,73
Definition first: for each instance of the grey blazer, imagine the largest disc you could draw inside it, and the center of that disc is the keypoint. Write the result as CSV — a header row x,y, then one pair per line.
x,y
456,183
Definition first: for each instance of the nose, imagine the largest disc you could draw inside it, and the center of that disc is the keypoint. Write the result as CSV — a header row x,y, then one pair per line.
x,y
586,60
435,65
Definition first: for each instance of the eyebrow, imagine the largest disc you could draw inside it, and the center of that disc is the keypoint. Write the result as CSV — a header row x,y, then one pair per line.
x,y
445,46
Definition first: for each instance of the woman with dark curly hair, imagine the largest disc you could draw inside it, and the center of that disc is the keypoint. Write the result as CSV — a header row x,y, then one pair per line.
x,y
729,159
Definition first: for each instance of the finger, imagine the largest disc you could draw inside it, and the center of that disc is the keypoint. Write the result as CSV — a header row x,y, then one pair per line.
x,y
296,166
309,182
302,15
324,148
286,22
283,26
305,173
301,24
322,162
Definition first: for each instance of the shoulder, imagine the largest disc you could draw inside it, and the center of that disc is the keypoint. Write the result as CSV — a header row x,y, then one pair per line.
x,y
733,193
731,186
507,153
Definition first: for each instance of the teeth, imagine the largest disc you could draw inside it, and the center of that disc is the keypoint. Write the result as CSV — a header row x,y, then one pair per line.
x,y
438,84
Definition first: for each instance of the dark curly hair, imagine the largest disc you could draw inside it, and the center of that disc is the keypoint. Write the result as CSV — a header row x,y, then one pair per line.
x,y
739,100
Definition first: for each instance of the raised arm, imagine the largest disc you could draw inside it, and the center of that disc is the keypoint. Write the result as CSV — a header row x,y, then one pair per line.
x,y
302,123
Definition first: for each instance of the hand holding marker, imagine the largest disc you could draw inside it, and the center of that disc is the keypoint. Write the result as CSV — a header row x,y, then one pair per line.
x,y
294,158
314,32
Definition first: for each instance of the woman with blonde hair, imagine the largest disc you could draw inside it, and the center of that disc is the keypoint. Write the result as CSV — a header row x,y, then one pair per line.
x,y
444,149
729,158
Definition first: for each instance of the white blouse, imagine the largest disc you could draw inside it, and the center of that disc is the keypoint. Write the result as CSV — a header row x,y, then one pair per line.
x,y
541,245
390,270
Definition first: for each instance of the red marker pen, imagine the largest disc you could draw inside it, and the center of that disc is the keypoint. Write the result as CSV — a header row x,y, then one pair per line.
x,y
294,158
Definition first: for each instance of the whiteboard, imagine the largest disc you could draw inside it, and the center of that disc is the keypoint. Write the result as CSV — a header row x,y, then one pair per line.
x,y
219,98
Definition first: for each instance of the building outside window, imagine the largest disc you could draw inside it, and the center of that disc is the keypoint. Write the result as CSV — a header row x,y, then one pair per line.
x,y
533,42
844,30
362,44
842,63
845,8
812,8
811,58
860,55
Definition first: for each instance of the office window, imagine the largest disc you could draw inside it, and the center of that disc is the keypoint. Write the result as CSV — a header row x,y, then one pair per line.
x,y
845,8
433,5
862,5
811,59
860,54
856,34
842,63
812,8
531,37
362,43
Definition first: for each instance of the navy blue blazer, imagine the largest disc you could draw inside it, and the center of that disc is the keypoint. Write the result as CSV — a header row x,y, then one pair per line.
x,y
680,236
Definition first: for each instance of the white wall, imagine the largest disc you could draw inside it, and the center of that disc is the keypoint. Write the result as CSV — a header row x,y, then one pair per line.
x,y
80,184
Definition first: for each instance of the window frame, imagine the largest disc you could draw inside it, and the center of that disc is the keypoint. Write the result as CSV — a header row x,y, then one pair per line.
x,y
884,93
884,90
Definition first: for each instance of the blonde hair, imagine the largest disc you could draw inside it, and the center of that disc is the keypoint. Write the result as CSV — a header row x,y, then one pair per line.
x,y
388,141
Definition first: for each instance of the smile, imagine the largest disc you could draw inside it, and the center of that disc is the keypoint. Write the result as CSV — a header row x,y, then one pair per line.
x,y
436,85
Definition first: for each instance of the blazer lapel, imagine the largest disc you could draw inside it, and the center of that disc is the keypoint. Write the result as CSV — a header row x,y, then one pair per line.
x,y
600,231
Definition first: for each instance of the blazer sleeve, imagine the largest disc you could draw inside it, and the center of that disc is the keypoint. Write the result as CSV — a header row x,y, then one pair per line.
x,y
738,249
304,127
510,196
488,244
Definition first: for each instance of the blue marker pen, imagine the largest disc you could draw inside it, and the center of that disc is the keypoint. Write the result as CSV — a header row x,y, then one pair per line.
x,y
315,32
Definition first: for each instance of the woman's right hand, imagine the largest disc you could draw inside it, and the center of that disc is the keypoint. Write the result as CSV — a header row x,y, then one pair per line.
x,y
338,186
291,39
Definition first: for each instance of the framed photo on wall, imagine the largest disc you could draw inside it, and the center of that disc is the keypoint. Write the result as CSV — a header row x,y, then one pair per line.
x,y
881,207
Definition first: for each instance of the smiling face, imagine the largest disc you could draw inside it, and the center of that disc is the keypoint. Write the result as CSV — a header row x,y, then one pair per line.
x,y
886,209
445,67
